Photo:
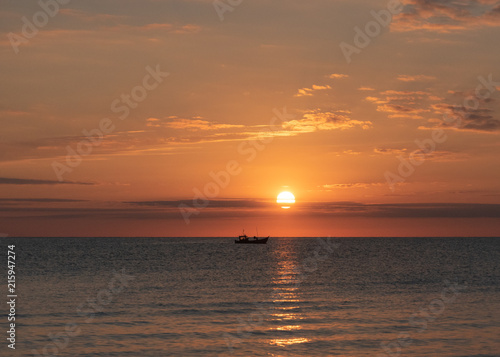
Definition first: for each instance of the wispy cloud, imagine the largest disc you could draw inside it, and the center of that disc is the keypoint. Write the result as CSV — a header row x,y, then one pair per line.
x,y
238,207
316,121
18,181
480,120
92,17
389,151
337,76
415,78
40,200
446,156
336,186
447,16
308,92
402,104
194,124
435,156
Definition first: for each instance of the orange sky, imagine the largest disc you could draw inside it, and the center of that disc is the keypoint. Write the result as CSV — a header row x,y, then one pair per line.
x,y
115,115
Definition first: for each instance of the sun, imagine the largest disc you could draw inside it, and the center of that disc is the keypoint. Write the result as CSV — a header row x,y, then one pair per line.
x,y
286,199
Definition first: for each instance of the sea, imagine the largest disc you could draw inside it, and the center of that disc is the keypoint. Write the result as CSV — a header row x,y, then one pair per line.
x,y
291,297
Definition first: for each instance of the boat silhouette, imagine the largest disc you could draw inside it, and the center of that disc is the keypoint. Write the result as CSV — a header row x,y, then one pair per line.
x,y
244,239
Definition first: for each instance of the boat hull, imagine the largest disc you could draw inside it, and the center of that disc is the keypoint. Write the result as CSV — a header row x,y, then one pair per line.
x,y
252,241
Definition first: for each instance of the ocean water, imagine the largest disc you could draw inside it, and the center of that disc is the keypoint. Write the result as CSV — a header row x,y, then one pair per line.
x,y
291,297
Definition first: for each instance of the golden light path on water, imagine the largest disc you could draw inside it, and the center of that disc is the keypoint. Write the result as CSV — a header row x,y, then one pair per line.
x,y
286,304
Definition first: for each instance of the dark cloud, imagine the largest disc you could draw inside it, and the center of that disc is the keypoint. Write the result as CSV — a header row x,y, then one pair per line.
x,y
240,208
473,120
38,200
460,117
447,15
443,210
350,208
211,204
18,181
402,104
481,122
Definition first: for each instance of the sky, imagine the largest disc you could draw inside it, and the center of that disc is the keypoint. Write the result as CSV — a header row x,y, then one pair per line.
x,y
189,117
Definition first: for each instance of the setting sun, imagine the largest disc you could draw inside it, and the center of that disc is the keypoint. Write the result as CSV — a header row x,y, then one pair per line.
x,y
286,199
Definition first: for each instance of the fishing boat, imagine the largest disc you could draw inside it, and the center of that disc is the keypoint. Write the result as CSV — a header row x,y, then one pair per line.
x,y
244,239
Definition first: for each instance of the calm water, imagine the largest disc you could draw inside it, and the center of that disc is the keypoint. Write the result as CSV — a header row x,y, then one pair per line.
x,y
291,297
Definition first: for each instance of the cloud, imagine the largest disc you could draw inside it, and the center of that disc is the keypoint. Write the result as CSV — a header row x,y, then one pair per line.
x,y
337,76
17,181
474,123
195,124
350,185
173,134
316,121
84,28
147,210
389,151
176,29
42,200
13,113
424,210
435,156
351,152
415,78
402,104
445,156
480,120
308,92
405,93
112,22
346,152
402,111
93,18
445,16
366,88
375,100
460,118
408,210
343,208
221,203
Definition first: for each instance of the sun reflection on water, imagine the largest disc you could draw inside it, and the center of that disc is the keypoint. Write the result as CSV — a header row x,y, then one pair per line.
x,y
288,328
289,341
286,315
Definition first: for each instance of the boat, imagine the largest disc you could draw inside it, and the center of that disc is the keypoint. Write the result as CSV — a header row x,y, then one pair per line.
x,y
244,239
